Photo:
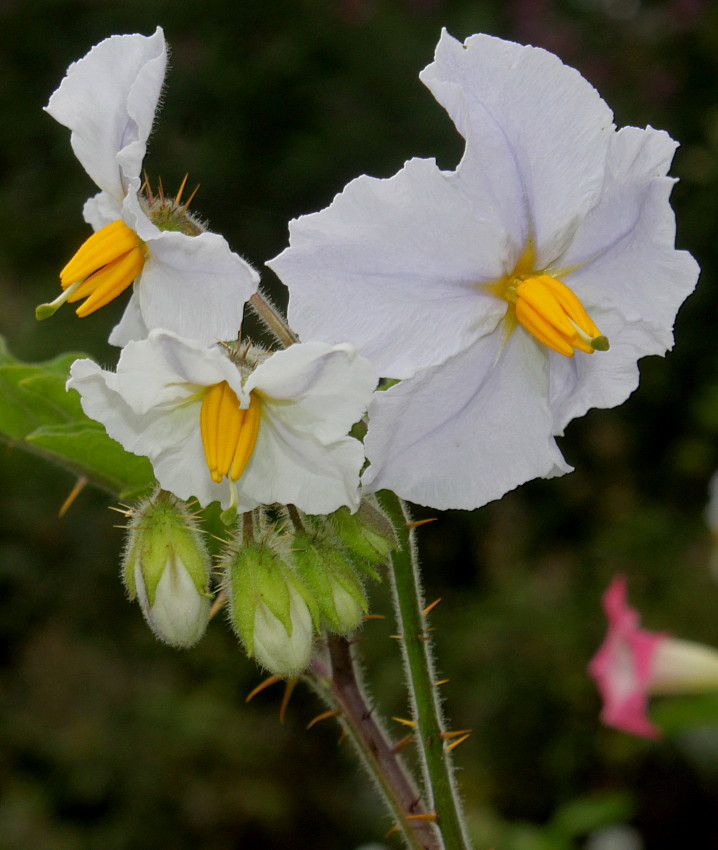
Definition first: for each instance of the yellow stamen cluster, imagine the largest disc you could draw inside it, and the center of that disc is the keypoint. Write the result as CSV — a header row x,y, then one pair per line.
x,y
229,432
105,265
550,311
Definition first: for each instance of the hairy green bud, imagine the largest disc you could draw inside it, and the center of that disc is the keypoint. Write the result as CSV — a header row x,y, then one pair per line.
x,y
332,581
271,610
166,567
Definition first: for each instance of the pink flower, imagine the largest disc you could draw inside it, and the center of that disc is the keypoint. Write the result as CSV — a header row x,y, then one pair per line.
x,y
624,664
633,663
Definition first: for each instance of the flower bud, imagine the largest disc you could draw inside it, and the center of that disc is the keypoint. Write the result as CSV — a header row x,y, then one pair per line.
x,y
166,567
271,610
332,582
367,533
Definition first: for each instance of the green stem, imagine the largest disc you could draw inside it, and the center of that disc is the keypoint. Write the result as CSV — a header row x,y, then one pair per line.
x,y
416,648
339,687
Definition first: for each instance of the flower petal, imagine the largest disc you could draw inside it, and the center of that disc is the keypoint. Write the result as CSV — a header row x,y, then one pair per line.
x,y
165,369
468,431
101,209
329,388
291,467
392,266
623,253
108,99
536,133
195,286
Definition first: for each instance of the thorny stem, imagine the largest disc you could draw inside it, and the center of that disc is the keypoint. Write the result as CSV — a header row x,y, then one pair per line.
x,y
271,317
340,688
416,648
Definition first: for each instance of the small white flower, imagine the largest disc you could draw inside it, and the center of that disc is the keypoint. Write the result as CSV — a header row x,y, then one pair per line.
x,y
270,428
186,280
495,289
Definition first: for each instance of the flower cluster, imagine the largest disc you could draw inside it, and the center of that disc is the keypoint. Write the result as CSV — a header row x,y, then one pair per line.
x,y
502,299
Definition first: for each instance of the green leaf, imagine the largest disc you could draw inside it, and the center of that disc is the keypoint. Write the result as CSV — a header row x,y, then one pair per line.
x,y
38,414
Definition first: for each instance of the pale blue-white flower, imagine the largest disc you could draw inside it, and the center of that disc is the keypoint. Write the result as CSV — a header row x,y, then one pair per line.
x,y
243,427
186,279
510,295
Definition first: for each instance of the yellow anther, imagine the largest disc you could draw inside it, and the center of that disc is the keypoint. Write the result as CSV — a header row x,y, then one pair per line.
x,y
553,314
229,432
105,265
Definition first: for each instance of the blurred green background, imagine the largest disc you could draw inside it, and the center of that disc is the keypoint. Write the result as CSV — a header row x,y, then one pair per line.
x,y
109,739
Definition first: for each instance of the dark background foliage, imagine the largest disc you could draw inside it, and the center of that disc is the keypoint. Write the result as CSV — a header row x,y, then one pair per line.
x,y
109,739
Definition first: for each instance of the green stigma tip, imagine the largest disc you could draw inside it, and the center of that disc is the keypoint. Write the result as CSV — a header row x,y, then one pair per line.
x,y
600,343
229,516
44,311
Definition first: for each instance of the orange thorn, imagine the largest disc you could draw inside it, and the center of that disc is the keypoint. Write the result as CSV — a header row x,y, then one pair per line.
x,y
374,617
190,199
217,604
430,607
457,742
160,189
74,493
411,723
457,732
427,816
288,688
441,682
417,522
333,712
397,637
394,829
342,736
178,196
399,746
270,680
356,639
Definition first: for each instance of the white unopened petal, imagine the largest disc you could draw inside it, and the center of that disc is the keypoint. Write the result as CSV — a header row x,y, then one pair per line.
x,y
108,99
466,432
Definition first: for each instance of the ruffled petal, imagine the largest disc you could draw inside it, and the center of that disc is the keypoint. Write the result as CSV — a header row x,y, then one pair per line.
x,y
468,431
536,132
392,267
101,209
195,286
165,369
108,99
130,327
602,379
290,466
329,388
623,257
148,433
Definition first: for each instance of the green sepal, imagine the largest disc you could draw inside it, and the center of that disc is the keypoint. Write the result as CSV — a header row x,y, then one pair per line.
x,y
322,568
366,533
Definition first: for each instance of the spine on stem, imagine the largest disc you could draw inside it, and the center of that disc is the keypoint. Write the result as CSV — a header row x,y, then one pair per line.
x,y
435,755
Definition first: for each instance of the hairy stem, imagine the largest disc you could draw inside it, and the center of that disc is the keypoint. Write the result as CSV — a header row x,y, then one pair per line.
x,y
416,647
339,686
273,320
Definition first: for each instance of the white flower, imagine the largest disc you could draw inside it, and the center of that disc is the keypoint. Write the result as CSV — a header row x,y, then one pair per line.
x,y
240,433
186,280
466,282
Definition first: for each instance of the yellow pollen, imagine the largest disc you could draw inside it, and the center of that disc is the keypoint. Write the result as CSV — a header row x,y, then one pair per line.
x,y
103,267
553,314
229,432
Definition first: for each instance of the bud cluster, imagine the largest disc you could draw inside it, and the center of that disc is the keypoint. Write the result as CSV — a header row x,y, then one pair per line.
x,y
286,576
